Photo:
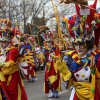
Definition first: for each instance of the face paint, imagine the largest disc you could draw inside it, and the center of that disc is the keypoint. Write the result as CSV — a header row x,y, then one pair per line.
x,y
5,44
15,40
80,47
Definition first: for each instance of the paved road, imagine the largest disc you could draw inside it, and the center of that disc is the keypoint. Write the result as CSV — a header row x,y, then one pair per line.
x,y
35,90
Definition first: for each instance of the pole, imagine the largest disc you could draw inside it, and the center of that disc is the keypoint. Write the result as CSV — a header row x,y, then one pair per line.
x,y
58,23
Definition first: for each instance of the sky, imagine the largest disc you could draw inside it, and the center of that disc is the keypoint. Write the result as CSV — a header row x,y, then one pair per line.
x,y
91,2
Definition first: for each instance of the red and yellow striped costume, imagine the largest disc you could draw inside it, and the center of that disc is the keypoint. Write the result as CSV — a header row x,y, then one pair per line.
x,y
11,82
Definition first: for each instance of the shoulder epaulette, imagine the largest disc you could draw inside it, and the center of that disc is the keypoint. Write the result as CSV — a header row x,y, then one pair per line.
x,y
95,52
10,48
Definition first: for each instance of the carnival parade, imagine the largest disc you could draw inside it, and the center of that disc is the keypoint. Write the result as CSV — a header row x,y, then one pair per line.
x,y
43,60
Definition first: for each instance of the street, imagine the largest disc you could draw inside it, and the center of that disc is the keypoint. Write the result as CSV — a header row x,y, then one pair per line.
x,y
35,90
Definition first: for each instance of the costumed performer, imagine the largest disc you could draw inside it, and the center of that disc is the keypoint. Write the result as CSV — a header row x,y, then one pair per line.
x,y
11,82
52,76
85,75
26,59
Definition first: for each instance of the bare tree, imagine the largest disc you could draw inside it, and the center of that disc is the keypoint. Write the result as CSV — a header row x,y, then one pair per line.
x,y
30,11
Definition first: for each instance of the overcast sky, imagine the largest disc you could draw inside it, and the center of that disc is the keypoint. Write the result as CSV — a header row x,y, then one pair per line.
x,y
91,2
